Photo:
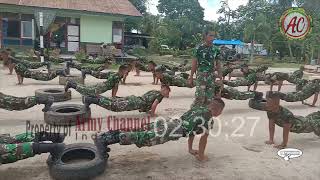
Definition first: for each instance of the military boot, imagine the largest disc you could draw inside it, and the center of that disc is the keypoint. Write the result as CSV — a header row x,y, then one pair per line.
x,y
88,100
47,101
70,84
61,72
48,136
53,148
84,72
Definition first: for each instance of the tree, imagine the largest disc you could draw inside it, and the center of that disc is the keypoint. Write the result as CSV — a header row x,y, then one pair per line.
x,y
132,23
176,9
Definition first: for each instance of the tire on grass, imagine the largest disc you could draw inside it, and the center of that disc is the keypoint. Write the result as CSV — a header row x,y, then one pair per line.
x,y
58,94
77,161
67,114
78,79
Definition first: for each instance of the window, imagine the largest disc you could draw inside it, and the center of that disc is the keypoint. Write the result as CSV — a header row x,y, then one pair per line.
x,y
26,29
13,29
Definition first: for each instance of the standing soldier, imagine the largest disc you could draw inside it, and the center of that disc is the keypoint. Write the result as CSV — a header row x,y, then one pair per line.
x,y
205,63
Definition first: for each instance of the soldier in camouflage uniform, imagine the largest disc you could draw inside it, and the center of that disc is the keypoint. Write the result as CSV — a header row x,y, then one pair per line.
x,y
179,80
277,77
145,103
195,121
309,89
12,103
111,83
23,146
227,70
205,63
283,117
250,78
23,72
80,67
233,94
97,74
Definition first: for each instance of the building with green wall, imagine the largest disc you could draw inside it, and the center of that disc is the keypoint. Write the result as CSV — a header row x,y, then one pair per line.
x,y
71,24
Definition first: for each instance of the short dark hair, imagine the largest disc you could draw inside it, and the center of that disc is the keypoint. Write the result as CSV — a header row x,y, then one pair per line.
x,y
219,101
165,86
153,63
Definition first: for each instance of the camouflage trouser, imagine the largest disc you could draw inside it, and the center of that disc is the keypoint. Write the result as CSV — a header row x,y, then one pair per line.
x,y
300,83
305,93
184,68
101,75
205,88
95,89
184,75
12,103
234,94
226,71
86,67
94,61
240,82
20,138
10,153
142,67
31,65
15,148
308,124
24,71
180,82
56,60
155,134
116,104
278,76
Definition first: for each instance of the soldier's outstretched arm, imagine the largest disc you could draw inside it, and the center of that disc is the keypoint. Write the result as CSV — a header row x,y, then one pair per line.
x,y
115,90
154,107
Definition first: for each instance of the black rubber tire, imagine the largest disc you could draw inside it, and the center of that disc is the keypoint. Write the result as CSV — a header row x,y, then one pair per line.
x,y
58,94
67,114
78,79
61,170
258,104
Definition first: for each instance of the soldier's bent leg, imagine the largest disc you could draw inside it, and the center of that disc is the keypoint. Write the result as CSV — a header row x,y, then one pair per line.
x,y
155,136
12,103
234,94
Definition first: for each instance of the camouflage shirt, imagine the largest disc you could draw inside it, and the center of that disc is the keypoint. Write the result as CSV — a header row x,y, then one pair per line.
x,y
194,118
206,56
251,75
149,99
179,80
281,117
113,80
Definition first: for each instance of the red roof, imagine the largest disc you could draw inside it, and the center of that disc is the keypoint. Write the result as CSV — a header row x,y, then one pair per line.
x,y
121,7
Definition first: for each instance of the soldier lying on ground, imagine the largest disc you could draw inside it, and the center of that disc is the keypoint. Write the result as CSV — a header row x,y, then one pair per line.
x,y
279,77
23,146
111,83
13,103
179,80
282,117
309,89
227,69
98,60
195,121
23,72
80,66
250,78
145,103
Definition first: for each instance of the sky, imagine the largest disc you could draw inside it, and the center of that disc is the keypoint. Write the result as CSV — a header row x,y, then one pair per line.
x,y
211,7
